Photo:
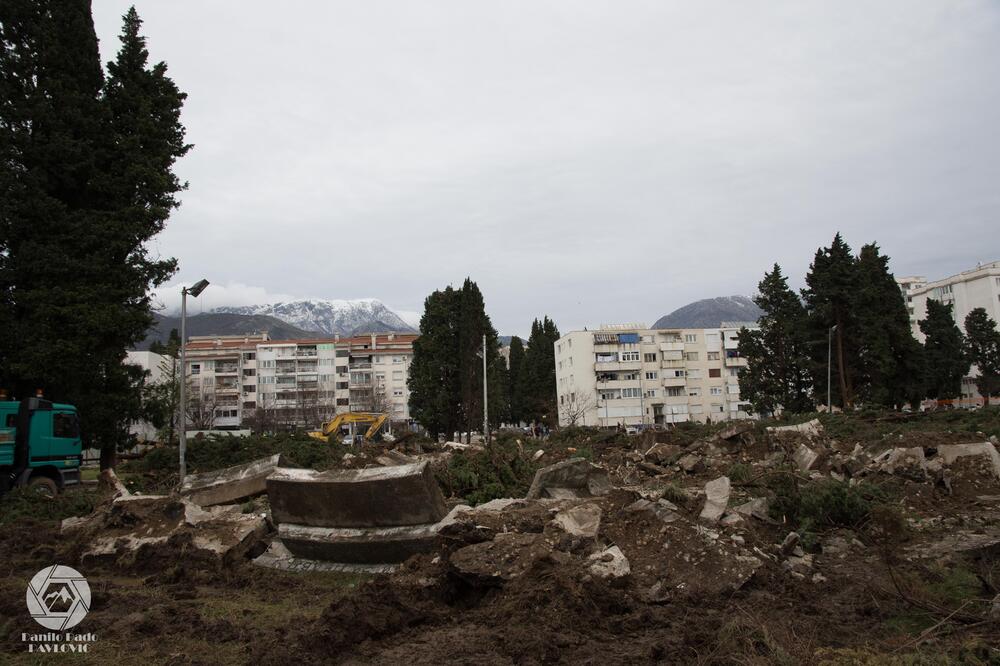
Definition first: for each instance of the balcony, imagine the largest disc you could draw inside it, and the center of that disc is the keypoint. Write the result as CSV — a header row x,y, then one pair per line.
x,y
284,371
678,364
308,378
616,366
361,366
673,381
227,369
618,384
306,353
312,367
672,346
735,361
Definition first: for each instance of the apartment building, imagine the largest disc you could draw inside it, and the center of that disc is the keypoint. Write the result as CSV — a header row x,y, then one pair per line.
x,y
628,374
971,289
909,285
242,379
157,369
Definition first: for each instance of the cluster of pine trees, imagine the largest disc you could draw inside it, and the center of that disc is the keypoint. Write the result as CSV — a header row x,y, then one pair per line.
x,y
87,180
446,375
852,320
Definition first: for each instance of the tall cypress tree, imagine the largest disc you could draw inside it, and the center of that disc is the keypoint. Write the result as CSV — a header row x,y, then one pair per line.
x,y
983,349
87,182
890,359
777,372
831,285
515,375
945,362
538,385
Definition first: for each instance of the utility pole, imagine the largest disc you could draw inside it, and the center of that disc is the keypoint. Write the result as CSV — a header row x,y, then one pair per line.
x,y
194,291
829,366
486,411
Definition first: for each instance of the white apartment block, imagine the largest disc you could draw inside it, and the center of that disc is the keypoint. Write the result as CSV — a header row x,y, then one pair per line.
x,y
158,368
313,378
632,375
909,285
976,288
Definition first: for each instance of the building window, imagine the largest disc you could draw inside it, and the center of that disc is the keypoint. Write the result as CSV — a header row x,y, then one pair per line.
x,y
195,369
690,356
341,369
652,375
690,337
631,393
630,356
343,401
397,393
715,372
674,391
715,390
651,393
712,356
649,358
694,391
734,372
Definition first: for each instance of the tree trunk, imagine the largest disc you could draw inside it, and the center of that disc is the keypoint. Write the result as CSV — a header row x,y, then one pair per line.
x,y
845,397
108,456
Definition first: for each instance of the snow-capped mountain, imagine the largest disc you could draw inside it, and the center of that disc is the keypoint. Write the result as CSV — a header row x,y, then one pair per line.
x,y
711,312
330,317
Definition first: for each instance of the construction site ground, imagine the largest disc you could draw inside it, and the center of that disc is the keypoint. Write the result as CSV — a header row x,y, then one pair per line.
x,y
893,560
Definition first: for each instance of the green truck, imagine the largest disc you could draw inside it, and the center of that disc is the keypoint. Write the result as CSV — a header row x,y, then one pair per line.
x,y
40,445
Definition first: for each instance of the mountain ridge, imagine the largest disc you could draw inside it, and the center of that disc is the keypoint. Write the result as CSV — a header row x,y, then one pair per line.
x,y
711,312
328,316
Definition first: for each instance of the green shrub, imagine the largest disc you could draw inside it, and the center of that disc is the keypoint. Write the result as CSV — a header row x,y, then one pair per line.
x,y
480,476
822,504
24,503
739,473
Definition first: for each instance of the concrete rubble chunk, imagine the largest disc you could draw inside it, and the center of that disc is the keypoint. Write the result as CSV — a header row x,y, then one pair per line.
x,y
735,430
372,497
568,479
716,499
610,563
804,457
908,463
949,453
691,464
810,429
231,484
662,509
367,545
582,520
277,556
664,454
755,508
789,544
507,556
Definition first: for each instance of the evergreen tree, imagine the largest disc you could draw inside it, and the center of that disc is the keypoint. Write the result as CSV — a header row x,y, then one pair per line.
x,y
538,385
446,376
983,350
777,372
831,286
516,379
86,183
890,369
945,362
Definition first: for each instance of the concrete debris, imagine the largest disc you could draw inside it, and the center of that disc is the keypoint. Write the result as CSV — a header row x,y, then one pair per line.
x,y
995,608
507,556
804,457
369,545
908,463
664,454
691,464
731,520
277,556
231,484
810,429
582,520
789,544
537,454
755,508
662,509
716,499
373,497
611,563
108,480
735,430
961,542
568,479
949,453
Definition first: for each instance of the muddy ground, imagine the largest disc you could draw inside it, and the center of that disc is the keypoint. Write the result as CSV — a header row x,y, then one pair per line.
x,y
854,594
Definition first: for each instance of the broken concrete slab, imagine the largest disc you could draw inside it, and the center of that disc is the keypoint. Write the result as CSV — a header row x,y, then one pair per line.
x,y
716,499
691,464
610,563
367,545
374,497
810,429
507,556
582,520
735,430
949,453
662,509
664,454
277,556
231,484
569,479
909,463
804,457
755,508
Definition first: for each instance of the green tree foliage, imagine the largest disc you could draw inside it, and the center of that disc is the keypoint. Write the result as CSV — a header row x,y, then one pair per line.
x,y
161,400
777,372
86,182
831,286
446,376
890,367
537,386
945,362
515,379
983,350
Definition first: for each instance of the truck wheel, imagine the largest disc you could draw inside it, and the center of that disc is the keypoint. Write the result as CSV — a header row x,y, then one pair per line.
x,y
43,485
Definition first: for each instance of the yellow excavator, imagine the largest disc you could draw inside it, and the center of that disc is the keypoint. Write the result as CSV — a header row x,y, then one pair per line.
x,y
373,420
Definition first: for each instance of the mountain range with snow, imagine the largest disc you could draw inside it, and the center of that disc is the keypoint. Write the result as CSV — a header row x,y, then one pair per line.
x,y
329,317
711,312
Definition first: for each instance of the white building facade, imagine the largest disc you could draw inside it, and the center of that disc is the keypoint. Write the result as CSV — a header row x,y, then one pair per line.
x,y
631,375
975,288
305,380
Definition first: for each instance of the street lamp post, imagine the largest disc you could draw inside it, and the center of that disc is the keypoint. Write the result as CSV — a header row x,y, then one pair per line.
x,y
194,290
829,366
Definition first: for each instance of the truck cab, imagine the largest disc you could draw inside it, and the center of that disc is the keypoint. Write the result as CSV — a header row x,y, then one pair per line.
x,y
40,445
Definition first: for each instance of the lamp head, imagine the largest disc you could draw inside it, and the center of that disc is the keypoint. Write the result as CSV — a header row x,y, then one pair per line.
x,y
198,287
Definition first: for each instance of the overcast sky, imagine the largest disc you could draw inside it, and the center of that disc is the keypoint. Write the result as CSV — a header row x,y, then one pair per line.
x,y
594,161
